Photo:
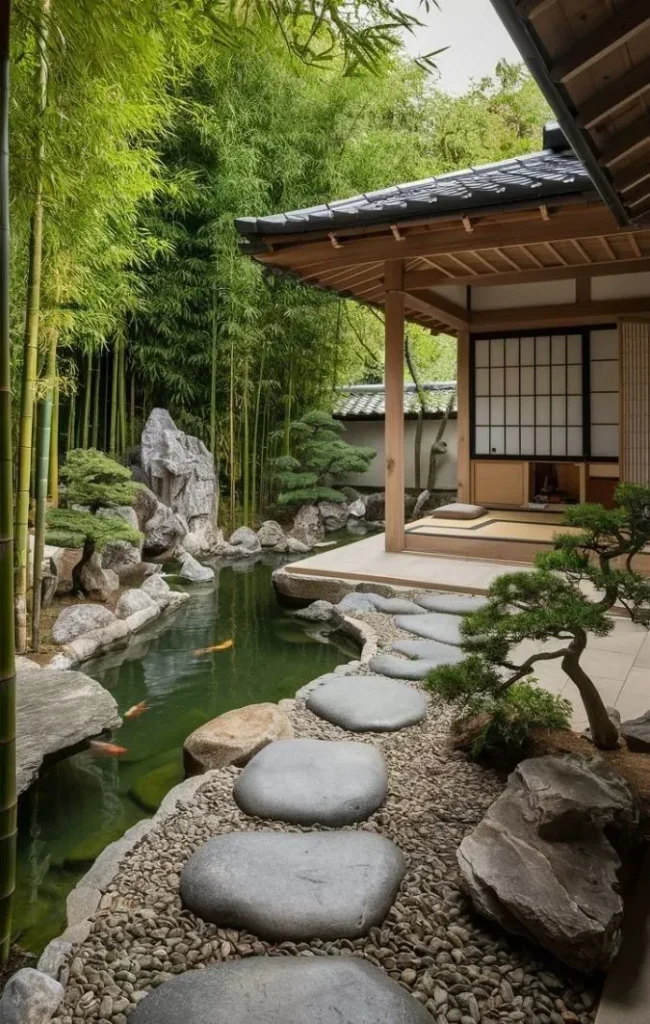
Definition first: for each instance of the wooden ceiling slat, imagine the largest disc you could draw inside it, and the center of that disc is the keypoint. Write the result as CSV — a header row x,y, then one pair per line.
x,y
637,194
634,244
607,247
615,95
508,259
531,256
482,259
627,141
555,254
601,41
631,175
464,266
417,280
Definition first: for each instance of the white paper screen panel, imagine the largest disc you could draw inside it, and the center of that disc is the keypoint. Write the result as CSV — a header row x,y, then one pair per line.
x,y
604,393
528,397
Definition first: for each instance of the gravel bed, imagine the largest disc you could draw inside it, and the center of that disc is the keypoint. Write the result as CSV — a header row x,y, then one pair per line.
x,y
457,965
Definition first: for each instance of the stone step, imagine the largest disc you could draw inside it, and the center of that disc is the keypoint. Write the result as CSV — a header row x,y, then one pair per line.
x,y
368,703
442,627
429,650
282,990
402,668
305,782
451,604
294,886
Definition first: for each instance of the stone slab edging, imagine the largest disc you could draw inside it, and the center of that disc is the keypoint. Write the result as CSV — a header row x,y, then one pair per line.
x,y
365,635
85,899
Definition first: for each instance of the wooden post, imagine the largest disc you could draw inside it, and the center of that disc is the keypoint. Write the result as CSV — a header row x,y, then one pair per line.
x,y
463,421
394,420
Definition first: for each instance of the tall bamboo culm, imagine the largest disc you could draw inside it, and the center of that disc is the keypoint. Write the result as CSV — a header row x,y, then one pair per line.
x,y
85,432
30,351
112,444
53,468
97,411
7,650
42,472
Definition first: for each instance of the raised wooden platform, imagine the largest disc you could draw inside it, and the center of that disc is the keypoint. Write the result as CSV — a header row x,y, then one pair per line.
x,y
500,535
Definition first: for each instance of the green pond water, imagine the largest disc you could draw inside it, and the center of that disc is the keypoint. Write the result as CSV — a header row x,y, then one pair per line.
x,y
81,804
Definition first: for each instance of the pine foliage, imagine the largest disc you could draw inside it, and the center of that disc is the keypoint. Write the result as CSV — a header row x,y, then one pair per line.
x,y
93,479
322,459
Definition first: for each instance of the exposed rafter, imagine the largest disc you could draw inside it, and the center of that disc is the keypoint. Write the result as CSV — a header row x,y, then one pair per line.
x,y
616,95
438,308
602,40
627,141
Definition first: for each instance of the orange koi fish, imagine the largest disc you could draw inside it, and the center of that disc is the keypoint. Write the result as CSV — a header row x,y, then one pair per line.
x,y
137,710
225,646
106,749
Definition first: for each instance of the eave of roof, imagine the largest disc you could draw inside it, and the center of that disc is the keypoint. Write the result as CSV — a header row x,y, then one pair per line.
x,y
368,401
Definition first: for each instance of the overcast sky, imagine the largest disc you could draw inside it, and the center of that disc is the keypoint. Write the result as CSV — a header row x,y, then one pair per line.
x,y
473,32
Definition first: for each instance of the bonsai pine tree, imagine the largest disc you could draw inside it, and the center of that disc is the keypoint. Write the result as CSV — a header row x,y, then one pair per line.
x,y
93,481
321,459
560,603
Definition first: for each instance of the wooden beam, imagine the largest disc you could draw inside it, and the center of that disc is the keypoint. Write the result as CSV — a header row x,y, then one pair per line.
x,y
531,256
630,176
583,290
581,249
615,95
531,8
629,21
486,263
435,305
608,249
582,220
419,279
555,254
632,239
508,259
638,194
558,315
463,266
463,467
394,418
627,141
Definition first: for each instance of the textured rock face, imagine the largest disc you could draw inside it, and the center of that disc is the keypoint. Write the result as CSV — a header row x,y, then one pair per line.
x,y
636,733
355,603
98,583
77,619
55,712
132,601
375,507
180,470
334,515
193,571
163,532
293,587
30,997
309,781
282,886
158,589
357,508
246,539
271,534
317,611
282,990
564,894
307,526
233,738
120,556
367,703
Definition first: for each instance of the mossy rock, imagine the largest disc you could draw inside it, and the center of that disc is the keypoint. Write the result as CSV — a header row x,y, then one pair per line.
x,y
149,790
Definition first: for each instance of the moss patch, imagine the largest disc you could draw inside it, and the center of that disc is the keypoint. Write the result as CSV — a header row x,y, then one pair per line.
x,y
149,790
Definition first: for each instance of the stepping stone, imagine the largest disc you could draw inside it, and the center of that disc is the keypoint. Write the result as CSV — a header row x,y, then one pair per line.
x,y
308,781
443,628
402,668
356,603
395,605
430,650
281,886
282,990
327,677
451,604
368,704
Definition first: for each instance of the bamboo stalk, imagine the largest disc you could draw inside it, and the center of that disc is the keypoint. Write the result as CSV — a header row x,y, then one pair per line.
x,y
246,468
42,472
7,647
213,376
53,471
85,433
112,444
132,410
96,401
121,398
231,417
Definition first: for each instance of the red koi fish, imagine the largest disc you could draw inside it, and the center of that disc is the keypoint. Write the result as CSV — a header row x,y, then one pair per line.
x,y
106,749
137,710
225,646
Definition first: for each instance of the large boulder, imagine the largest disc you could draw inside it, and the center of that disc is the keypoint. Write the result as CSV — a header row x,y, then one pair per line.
x,y
375,507
30,997
193,571
541,865
158,589
179,469
246,540
317,611
144,505
271,535
307,526
357,508
163,532
56,712
234,737
133,601
77,619
334,515
636,733
96,582
121,555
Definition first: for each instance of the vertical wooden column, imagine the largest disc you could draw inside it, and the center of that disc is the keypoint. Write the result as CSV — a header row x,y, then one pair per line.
x,y
394,419
634,362
463,421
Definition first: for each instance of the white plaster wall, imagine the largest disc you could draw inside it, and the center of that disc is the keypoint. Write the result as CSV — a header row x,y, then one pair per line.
x,y
454,292
516,296
370,433
620,286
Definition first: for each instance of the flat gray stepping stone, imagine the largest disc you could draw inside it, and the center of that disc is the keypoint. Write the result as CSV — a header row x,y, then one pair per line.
x,y
395,605
327,677
430,650
432,626
451,604
280,886
308,781
282,990
402,668
368,703
360,603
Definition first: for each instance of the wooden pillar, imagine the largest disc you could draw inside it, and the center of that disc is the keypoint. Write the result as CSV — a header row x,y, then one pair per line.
x,y
394,419
463,421
634,362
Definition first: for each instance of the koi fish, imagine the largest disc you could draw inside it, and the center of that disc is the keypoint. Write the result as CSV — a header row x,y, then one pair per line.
x,y
106,749
136,710
225,646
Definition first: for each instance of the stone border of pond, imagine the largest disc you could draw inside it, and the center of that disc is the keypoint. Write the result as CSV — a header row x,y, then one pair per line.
x,y
134,934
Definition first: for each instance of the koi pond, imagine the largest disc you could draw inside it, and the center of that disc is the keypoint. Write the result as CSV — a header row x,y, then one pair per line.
x,y
86,801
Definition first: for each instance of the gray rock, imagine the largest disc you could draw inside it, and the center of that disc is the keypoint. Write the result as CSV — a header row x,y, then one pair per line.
x,y
270,534
279,886
282,990
30,997
375,507
121,556
163,532
433,626
193,571
402,668
636,733
98,583
429,650
421,503
204,539
124,512
356,527
294,546
247,540
307,526
145,504
309,781
334,515
77,619
356,603
234,737
563,894
294,587
158,589
395,605
368,703
318,611
357,508
57,711
81,903
451,604
132,601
